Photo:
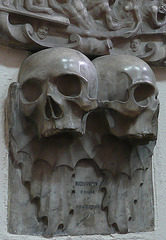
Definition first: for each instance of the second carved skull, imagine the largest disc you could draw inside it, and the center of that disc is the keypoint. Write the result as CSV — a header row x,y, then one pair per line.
x,y
127,89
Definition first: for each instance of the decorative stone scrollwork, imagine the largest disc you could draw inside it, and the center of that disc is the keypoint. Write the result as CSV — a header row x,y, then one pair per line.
x,y
92,27
81,138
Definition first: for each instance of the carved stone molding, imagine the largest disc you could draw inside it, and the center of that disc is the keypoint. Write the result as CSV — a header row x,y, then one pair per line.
x,y
81,139
134,27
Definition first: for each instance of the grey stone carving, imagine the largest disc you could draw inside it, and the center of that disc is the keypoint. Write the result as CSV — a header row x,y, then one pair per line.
x,y
81,138
92,27
61,103
130,91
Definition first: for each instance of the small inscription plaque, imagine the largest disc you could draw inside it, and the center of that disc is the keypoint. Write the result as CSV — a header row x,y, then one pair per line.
x,y
87,184
88,197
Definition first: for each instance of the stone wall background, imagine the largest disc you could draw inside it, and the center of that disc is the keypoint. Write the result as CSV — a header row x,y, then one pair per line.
x,y
10,60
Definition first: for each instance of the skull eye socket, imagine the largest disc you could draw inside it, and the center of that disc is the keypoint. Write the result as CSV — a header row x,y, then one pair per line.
x,y
32,89
69,85
142,92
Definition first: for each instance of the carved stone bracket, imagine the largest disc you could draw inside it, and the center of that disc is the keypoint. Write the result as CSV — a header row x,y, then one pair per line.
x,y
134,27
81,139
82,126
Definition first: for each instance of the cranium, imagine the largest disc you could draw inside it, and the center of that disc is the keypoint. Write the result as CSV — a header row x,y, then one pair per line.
x,y
58,87
127,89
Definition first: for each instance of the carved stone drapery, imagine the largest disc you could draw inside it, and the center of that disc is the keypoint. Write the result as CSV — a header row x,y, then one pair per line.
x,y
81,138
134,27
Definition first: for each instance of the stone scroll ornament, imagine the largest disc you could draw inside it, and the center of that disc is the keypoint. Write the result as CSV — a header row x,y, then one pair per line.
x,y
94,27
81,139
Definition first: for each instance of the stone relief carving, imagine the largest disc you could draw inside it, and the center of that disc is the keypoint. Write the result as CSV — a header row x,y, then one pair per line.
x,y
92,27
81,139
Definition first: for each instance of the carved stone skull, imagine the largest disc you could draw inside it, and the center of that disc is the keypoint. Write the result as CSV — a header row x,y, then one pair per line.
x,y
127,89
58,87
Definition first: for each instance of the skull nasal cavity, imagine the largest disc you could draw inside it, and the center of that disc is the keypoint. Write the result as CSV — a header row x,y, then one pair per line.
x,y
69,85
52,109
142,92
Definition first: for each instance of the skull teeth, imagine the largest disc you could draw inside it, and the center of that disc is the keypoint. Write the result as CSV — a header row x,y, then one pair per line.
x,y
51,132
141,135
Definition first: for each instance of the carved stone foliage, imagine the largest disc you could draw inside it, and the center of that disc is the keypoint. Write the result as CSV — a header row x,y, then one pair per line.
x,y
92,27
81,138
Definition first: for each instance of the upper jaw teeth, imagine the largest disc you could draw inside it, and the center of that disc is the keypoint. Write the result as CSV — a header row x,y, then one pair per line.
x,y
142,135
51,132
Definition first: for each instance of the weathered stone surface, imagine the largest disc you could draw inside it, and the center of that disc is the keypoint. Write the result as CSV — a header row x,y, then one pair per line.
x,y
92,27
81,137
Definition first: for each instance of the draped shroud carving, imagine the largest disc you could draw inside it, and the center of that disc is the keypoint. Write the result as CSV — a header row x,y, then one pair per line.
x,y
81,139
